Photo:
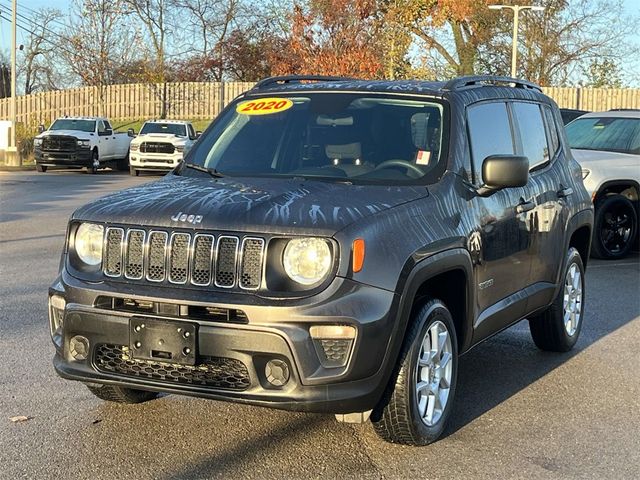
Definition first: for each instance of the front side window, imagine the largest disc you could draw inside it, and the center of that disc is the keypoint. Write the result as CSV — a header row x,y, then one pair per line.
x,y
489,133
343,136
73,124
610,134
168,128
532,132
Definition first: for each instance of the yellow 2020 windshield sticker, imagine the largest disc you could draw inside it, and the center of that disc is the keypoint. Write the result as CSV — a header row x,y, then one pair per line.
x,y
264,106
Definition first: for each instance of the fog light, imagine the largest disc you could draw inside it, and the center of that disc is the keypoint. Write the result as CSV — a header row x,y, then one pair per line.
x,y
333,344
56,318
277,372
79,347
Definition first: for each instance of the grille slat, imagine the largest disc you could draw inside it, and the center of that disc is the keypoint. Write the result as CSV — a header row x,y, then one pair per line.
x,y
134,255
251,263
226,261
179,257
157,147
113,252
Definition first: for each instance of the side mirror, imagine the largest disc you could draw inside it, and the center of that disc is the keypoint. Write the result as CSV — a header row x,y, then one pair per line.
x,y
503,171
198,133
131,132
41,128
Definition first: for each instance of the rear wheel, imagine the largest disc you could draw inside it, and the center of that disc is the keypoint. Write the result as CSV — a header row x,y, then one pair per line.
x,y
41,168
615,227
112,393
417,405
123,164
557,328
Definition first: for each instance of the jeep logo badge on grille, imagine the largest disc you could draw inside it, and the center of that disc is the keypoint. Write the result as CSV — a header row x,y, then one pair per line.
x,y
186,217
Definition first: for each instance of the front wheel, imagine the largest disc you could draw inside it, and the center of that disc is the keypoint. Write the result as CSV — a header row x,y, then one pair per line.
x,y
417,405
41,168
615,227
557,328
133,172
95,163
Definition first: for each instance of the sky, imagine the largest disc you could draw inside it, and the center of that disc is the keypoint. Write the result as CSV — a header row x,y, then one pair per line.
x,y
632,7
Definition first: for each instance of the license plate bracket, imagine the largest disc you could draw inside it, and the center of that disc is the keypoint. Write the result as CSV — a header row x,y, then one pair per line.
x,y
167,341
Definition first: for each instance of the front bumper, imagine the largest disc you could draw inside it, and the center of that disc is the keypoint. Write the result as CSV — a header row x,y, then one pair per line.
x,y
272,331
154,161
52,158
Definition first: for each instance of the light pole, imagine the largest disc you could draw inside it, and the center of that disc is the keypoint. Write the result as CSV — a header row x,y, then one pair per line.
x,y
516,12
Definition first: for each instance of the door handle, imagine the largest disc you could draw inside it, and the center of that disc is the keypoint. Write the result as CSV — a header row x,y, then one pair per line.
x,y
564,192
525,206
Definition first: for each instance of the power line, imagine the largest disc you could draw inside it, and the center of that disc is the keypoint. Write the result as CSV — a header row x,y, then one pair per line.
x,y
36,24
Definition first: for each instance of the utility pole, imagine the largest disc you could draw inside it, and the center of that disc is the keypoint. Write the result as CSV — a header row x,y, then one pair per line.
x,y
516,13
12,137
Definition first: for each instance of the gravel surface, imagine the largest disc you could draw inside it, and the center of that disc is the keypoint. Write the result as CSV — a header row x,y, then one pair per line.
x,y
519,412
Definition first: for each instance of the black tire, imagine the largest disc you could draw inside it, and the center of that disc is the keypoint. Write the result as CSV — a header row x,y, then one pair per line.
x,y
548,328
615,227
41,168
111,393
397,418
133,172
123,164
95,162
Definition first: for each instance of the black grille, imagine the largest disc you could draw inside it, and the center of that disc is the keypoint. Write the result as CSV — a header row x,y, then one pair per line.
x,y
251,264
113,253
134,255
178,257
156,269
59,142
202,258
216,372
156,147
226,262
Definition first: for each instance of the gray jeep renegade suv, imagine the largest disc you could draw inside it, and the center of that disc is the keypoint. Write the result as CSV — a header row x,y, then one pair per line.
x,y
332,245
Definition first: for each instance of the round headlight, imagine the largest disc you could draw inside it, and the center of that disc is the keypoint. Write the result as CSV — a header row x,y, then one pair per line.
x,y
307,260
88,243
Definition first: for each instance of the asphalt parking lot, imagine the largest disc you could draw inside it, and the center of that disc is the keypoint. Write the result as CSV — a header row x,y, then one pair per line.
x,y
519,412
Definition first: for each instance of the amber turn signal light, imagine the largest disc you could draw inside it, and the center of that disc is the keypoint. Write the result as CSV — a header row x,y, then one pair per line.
x,y
358,254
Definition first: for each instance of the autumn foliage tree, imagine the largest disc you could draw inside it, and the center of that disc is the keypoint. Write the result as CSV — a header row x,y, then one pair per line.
x,y
332,37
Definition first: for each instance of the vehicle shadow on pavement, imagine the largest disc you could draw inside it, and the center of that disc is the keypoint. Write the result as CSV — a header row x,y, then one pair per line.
x,y
499,368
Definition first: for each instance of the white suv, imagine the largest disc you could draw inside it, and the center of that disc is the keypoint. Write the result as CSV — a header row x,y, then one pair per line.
x,y
607,146
161,145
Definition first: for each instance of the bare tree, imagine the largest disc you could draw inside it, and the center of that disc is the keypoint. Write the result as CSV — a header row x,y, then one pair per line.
x,y
36,68
98,42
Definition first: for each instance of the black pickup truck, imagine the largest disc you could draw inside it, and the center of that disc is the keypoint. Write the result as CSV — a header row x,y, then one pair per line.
x,y
332,245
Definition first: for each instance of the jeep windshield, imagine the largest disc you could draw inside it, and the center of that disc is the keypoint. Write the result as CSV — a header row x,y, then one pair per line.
x,y
357,138
609,134
168,128
74,124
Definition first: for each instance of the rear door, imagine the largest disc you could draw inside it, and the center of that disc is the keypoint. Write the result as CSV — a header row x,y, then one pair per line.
x,y
106,140
548,187
501,243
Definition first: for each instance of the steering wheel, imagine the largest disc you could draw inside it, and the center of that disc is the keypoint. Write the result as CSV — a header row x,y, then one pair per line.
x,y
411,168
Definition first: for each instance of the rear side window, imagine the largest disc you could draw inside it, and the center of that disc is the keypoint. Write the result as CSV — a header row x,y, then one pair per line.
x,y
532,132
552,130
489,133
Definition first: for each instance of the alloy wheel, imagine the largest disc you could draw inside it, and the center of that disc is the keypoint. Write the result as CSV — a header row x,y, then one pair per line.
x,y
572,301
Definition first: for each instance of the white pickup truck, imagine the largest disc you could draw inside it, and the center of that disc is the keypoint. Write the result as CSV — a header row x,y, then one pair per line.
x,y
81,142
607,147
161,145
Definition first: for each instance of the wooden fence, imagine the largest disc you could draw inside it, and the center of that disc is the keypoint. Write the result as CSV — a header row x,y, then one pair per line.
x,y
200,100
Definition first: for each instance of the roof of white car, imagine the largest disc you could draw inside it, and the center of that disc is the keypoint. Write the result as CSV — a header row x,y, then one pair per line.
x,y
82,118
622,113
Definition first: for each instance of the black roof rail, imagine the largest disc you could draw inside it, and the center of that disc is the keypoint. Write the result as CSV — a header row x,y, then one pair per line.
x,y
284,79
478,80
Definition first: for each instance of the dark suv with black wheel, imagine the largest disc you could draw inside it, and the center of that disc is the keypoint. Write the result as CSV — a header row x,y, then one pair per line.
x,y
332,245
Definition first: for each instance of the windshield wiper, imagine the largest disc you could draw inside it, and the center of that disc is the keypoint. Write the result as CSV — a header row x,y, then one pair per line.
x,y
211,171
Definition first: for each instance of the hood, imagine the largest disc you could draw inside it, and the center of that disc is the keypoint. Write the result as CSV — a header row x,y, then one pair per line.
x,y
599,158
160,136
255,205
67,133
